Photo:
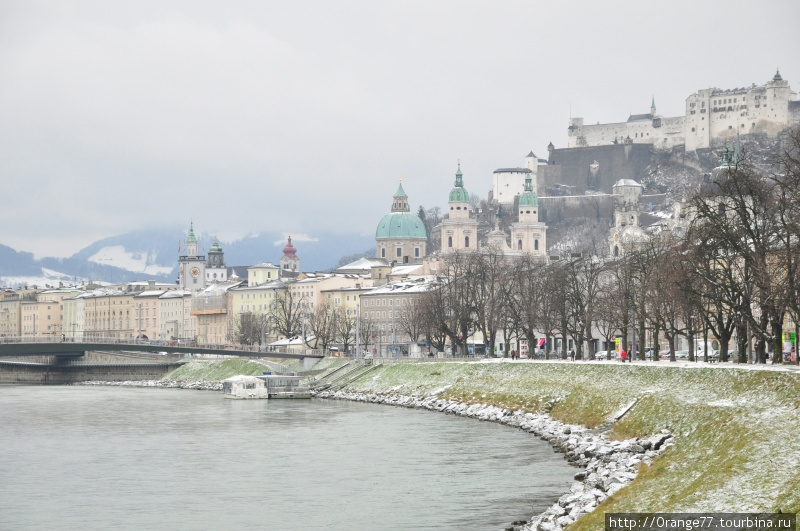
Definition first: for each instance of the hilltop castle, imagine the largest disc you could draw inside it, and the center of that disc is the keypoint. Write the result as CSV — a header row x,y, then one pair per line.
x,y
712,115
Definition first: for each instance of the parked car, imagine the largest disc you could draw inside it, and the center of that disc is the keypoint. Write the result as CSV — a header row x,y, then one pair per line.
x,y
601,355
663,354
682,354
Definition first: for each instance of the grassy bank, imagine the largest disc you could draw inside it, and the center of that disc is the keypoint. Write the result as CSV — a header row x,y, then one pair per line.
x,y
214,371
737,431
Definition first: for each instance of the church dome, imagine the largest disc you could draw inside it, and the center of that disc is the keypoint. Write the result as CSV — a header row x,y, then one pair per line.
x,y
401,225
459,194
290,250
215,248
528,199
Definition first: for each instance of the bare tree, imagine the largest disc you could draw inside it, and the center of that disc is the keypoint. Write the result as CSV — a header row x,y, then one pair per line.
x,y
319,327
287,314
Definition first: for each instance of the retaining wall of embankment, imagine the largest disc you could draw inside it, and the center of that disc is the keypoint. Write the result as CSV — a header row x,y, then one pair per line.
x,y
55,374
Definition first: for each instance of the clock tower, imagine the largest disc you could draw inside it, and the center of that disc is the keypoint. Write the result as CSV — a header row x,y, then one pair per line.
x,y
192,267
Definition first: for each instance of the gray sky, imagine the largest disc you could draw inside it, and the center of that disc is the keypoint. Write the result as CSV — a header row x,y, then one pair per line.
x,y
301,116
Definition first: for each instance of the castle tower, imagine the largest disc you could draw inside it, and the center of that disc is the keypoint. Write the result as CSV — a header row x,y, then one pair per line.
x,y
215,265
401,236
459,231
290,261
653,107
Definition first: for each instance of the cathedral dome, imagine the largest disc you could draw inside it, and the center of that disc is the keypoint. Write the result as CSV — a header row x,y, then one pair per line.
x,y
401,225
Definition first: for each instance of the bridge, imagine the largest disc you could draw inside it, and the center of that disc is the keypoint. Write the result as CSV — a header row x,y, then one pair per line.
x,y
12,346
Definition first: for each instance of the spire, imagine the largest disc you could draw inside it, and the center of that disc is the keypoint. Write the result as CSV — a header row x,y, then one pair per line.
x,y
192,238
459,181
653,106
777,76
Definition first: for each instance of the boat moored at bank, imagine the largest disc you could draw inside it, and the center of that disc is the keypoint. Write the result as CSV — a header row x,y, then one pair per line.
x,y
243,387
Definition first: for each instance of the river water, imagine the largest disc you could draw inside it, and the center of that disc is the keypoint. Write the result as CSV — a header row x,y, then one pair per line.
x,y
112,458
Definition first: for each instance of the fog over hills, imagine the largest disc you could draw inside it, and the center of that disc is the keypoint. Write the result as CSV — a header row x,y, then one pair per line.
x,y
153,254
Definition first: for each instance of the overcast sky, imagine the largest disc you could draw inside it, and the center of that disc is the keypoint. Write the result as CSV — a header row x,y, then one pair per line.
x,y
302,116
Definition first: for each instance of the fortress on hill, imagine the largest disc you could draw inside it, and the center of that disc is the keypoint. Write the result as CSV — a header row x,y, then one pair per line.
x,y
712,115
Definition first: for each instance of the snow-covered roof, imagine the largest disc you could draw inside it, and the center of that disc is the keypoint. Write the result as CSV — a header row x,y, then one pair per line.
x,y
627,182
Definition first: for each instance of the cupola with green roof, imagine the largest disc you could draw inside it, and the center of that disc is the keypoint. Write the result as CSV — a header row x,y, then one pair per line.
x,y
401,235
459,194
528,197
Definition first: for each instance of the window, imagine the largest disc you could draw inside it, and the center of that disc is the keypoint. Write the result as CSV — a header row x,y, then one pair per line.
x,y
416,252
449,241
466,241
535,245
383,253
519,245
399,252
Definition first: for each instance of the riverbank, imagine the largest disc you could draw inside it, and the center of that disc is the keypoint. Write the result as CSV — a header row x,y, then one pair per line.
x,y
736,430
608,465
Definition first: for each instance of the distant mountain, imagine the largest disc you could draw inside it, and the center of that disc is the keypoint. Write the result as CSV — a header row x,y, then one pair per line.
x,y
153,254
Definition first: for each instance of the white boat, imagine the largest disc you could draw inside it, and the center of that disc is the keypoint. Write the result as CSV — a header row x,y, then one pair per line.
x,y
265,386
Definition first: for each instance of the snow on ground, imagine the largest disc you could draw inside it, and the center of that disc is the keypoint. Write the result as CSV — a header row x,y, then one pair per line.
x,y
48,278
139,262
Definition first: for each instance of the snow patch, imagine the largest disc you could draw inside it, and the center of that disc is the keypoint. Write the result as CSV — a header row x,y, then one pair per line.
x,y
138,262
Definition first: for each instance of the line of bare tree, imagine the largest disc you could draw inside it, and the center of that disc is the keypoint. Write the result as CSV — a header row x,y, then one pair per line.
x,y
731,271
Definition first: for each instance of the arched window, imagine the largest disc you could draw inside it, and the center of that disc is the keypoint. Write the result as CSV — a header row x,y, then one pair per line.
x,y
535,245
519,245
466,241
449,241
616,251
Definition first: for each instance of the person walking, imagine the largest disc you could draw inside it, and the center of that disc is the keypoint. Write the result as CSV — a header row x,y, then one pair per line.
x,y
572,354
623,355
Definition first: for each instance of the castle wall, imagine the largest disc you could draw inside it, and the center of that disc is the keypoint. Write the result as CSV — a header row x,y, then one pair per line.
x,y
571,166
591,206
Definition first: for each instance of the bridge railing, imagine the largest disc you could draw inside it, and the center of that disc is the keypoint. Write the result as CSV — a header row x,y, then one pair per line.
x,y
165,344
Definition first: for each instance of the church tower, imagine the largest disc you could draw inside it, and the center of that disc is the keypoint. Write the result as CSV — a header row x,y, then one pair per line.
x,y
528,234
192,266
215,265
290,262
459,231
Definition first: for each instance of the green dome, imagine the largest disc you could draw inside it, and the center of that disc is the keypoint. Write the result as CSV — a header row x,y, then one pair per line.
x,y
215,248
401,225
528,199
459,195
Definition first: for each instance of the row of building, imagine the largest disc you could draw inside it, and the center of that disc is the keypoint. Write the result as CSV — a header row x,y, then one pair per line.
x,y
209,297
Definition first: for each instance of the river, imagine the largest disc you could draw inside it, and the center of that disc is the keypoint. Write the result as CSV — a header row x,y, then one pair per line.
x,y
113,458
